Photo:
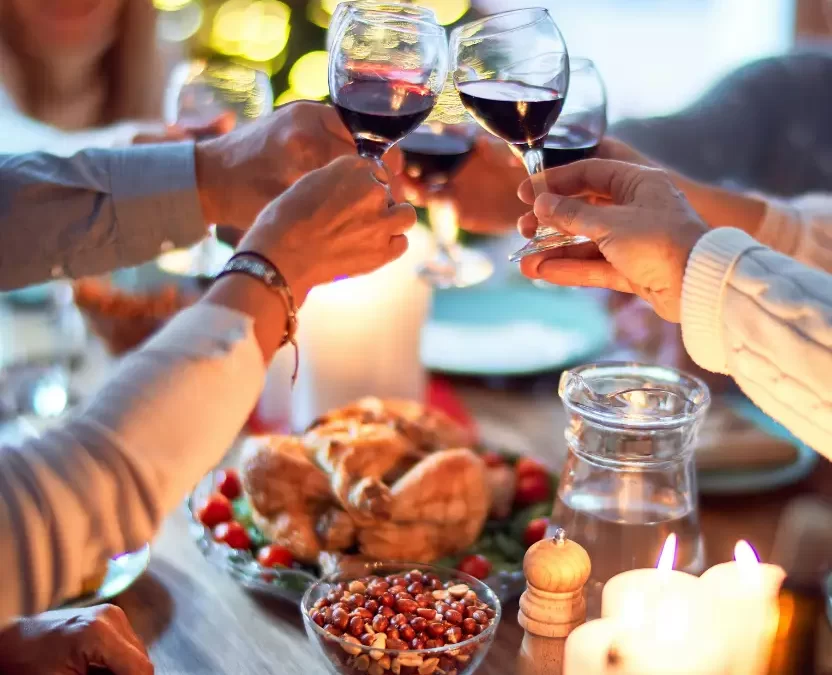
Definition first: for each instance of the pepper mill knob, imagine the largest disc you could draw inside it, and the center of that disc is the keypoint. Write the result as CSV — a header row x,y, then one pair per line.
x,y
553,605
557,565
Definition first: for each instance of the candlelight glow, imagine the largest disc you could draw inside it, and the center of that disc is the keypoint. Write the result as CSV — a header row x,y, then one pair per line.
x,y
667,559
745,555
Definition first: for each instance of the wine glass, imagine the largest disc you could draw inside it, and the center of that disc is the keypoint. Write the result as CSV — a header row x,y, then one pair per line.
x,y
385,74
342,9
512,74
198,93
582,123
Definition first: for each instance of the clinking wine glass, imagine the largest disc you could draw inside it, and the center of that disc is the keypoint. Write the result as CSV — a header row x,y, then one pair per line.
x,y
198,93
512,74
582,123
385,74
343,9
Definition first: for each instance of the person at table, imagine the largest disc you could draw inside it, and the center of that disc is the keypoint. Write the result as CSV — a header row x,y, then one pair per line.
x,y
104,209
100,484
747,311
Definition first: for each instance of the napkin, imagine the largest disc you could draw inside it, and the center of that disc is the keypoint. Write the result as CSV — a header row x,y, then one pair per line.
x,y
730,441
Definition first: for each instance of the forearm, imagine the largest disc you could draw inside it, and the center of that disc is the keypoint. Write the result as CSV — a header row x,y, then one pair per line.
x,y
101,484
764,319
719,207
94,212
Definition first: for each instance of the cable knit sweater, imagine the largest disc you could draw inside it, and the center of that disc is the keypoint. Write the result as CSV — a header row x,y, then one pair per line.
x,y
765,318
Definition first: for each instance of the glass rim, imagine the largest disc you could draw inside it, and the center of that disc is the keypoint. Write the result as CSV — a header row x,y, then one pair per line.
x,y
350,5
470,581
380,18
542,12
609,420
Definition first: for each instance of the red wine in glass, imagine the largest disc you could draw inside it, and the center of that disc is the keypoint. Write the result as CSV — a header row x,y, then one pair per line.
x,y
520,114
566,144
379,113
432,159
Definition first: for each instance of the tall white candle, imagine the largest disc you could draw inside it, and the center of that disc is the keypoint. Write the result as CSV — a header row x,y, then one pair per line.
x,y
357,337
587,649
743,596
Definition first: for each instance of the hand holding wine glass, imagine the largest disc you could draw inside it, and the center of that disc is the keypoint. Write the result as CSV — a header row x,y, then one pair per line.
x,y
512,74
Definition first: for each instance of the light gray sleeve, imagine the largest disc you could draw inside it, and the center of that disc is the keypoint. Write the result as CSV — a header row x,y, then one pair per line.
x,y
96,211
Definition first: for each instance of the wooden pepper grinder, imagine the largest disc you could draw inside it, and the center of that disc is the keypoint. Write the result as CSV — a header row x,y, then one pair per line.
x,y
553,604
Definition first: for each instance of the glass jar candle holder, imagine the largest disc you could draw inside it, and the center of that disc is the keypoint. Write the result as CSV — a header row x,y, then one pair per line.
x,y
629,479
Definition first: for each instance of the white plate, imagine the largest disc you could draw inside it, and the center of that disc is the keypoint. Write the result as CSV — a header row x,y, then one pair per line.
x,y
512,329
765,479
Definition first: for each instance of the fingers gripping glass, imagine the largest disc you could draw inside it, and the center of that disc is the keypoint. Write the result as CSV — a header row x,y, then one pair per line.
x,y
512,74
385,73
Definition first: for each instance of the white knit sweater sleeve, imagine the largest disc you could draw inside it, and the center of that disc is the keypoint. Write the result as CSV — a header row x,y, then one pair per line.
x,y
766,320
801,228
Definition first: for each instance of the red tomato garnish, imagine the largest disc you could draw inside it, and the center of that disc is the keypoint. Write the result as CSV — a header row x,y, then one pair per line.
x,y
526,466
233,534
535,531
533,488
274,556
228,483
478,566
214,510
493,459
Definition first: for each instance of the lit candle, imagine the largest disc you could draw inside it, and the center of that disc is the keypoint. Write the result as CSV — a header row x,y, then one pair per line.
x,y
357,337
641,590
743,596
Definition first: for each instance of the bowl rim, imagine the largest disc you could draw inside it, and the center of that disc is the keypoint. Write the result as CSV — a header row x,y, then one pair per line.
x,y
469,580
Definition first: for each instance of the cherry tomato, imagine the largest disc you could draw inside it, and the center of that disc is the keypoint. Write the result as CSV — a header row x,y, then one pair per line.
x,y
493,459
535,531
532,489
214,510
274,556
478,566
233,534
526,466
228,483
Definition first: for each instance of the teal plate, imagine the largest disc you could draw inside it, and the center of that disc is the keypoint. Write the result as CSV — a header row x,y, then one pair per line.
x,y
764,479
511,330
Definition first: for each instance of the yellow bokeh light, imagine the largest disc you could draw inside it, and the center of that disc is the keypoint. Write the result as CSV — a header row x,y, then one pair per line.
x,y
447,11
329,5
256,30
309,76
170,5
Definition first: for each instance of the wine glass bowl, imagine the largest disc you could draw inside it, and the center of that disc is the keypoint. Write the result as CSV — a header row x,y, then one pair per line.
x,y
512,74
342,9
385,74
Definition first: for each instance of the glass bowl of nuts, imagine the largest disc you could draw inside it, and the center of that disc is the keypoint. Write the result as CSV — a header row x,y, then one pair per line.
x,y
401,619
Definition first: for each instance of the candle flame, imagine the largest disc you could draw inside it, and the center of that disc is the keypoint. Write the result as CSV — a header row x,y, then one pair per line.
x,y
746,556
668,557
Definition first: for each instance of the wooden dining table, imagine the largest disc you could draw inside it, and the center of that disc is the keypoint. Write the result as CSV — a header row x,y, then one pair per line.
x,y
195,619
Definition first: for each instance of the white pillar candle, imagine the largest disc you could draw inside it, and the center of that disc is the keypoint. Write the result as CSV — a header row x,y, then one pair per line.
x,y
357,337
588,647
743,596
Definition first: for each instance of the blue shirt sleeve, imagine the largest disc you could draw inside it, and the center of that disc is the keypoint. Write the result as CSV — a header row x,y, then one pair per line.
x,y
96,211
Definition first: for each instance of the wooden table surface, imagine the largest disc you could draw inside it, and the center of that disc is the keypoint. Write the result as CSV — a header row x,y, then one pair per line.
x,y
196,620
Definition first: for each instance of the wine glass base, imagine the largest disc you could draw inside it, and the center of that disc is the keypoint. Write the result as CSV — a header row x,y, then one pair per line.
x,y
469,268
538,245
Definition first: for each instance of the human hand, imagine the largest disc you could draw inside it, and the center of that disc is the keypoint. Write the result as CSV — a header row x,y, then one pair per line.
x,y
334,222
611,148
642,239
484,190
239,173
71,641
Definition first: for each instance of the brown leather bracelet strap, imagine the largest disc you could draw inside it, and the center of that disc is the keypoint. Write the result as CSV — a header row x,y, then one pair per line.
x,y
259,267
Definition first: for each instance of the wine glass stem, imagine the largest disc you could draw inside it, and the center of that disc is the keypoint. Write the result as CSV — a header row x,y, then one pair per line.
x,y
381,165
445,225
533,159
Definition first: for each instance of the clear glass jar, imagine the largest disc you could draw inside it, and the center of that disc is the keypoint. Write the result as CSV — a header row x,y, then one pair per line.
x,y
629,479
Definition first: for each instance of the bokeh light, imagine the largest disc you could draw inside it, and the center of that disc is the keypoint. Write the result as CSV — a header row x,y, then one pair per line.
x,y
171,5
256,30
287,97
447,11
309,76
180,23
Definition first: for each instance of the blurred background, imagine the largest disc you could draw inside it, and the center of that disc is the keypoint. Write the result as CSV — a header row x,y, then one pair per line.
x,y
656,56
